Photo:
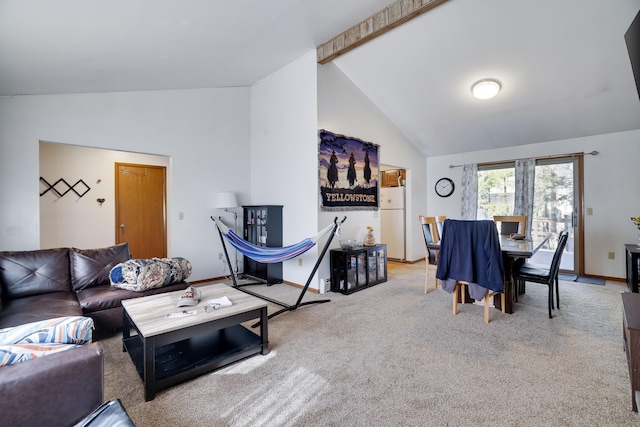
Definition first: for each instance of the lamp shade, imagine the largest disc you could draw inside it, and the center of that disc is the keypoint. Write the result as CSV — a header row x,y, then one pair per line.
x,y
226,199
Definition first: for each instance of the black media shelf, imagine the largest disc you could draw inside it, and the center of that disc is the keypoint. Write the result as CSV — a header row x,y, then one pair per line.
x,y
356,269
262,225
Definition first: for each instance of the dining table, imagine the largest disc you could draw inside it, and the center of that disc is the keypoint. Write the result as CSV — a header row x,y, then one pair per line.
x,y
515,250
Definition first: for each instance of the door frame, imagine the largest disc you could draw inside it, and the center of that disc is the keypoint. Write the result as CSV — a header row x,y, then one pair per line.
x,y
580,213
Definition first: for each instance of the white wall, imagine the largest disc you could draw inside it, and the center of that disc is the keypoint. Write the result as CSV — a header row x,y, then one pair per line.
x,y
82,222
344,109
209,133
204,131
611,189
284,155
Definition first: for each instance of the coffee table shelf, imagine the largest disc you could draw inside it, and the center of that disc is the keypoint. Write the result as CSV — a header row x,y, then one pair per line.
x,y
194,356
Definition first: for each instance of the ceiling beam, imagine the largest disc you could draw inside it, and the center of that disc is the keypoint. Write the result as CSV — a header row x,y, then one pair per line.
x,y
379,23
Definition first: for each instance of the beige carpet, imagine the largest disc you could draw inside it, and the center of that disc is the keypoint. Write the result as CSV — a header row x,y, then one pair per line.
x,y
392,356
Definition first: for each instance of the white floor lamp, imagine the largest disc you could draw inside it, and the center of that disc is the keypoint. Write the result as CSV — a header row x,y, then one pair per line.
x,y
227,200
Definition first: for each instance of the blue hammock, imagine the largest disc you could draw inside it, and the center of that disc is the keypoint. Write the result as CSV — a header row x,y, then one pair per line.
x,y
265,254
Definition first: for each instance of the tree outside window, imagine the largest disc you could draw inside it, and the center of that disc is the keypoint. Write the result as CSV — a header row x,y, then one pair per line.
x,y
496,191
553,199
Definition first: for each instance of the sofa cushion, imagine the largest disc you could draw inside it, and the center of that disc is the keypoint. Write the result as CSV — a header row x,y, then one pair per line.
x,y
39,307
60,330
91,267
104,297
15,353
28,273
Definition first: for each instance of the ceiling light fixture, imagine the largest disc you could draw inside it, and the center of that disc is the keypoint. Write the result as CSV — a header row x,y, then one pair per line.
x,y
485,88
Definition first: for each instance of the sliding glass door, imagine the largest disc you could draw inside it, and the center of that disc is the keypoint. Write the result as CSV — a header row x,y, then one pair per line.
x,y
555,209
557,204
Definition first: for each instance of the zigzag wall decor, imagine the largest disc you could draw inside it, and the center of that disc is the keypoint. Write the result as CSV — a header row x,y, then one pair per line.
x,y
69,187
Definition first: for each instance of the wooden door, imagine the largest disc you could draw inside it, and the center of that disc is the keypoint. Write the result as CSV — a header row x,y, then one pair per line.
x,y
141,209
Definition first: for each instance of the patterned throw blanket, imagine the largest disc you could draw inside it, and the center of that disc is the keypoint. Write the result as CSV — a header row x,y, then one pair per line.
x,y
31,340
141,274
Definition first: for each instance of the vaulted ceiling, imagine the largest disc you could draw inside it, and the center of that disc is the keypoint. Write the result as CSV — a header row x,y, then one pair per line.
x,y
563,65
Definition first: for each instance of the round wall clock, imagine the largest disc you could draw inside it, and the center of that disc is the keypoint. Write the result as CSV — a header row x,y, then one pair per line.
x,y
445,187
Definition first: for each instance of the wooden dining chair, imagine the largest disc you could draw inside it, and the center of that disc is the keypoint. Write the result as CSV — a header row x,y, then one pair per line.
x,y
459,297
428,226
438,223
511,224
469,234
546,275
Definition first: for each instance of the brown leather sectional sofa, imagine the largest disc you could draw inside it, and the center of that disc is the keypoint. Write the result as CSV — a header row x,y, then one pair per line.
x,y
60,388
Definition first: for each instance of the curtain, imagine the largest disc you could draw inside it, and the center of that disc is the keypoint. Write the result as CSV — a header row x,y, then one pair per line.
x,y
469,205
525,180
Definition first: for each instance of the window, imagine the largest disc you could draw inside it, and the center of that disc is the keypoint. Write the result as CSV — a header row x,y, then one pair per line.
x,y
496,190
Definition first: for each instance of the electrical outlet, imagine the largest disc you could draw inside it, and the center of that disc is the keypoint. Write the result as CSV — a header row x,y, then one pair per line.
x,y
612,255
589,211
219,255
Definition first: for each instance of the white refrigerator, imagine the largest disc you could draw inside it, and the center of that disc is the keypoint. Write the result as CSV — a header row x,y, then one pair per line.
x,y
392,221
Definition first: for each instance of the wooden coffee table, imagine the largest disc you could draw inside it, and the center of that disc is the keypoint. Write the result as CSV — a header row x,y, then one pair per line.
x,y
168,351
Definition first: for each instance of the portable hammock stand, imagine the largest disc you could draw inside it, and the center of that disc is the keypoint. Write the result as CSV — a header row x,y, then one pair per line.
x,y
271,255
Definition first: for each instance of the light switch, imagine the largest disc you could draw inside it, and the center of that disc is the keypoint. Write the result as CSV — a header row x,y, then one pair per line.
x,y
180,216
589,211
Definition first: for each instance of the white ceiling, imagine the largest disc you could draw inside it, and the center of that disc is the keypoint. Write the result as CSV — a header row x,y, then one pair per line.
x,y
563,64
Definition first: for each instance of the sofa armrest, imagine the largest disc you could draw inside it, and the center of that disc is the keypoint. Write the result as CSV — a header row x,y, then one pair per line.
x,y
58,389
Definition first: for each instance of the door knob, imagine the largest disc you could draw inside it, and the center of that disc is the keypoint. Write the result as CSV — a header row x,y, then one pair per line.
x,y
122,226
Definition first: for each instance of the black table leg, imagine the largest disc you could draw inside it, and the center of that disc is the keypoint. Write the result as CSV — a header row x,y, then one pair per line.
x,y
126,329
508,286
149,349
264,330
